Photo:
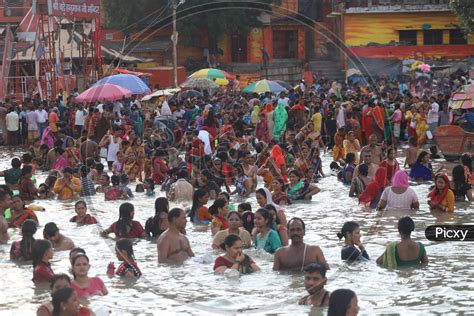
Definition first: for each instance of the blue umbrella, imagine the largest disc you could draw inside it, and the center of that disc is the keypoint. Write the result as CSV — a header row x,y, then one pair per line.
x,y
129,82
263,86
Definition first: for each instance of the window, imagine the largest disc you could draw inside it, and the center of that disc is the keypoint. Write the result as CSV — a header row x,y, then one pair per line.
x,y
433,37
408,37
457,37
109,36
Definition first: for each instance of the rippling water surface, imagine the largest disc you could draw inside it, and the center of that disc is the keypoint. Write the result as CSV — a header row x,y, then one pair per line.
x,y
445,286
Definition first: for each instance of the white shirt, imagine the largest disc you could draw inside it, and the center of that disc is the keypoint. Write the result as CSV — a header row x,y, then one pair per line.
x,y
42,116
341,119
433,115
285,101
402,201
79,120
13,121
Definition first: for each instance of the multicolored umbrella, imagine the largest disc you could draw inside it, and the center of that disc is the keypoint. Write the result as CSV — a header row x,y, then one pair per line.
x,y
190,94
199,83
130,82
263,86
284,84
220,77
104,92
462,98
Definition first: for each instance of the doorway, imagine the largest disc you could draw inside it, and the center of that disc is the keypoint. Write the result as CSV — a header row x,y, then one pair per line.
x,y
238,47
284,44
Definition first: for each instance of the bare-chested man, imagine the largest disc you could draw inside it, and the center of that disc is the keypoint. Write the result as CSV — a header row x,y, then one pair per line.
x,y
372,167
373,149
297,255
173,246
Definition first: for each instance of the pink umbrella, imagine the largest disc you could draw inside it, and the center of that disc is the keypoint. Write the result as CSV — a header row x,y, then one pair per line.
x,y
106,91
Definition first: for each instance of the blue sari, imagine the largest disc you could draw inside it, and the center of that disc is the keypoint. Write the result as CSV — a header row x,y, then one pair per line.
x,y
421,171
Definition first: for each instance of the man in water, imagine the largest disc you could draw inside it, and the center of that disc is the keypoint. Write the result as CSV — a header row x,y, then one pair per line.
x,y
314,282
173,246
297,255
368,161
373,149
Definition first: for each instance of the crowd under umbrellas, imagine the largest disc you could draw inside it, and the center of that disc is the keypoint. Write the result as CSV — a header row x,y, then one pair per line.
x,y
265,143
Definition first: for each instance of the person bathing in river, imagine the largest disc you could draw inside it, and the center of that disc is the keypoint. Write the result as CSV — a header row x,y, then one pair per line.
x,y
264,198
298,254
351,233
441,197
125,227
58,240
235,223
173,246
267,239
314,282
82,218
128,268
234,258
84,285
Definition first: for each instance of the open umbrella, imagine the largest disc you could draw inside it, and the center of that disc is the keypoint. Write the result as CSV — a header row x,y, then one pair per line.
x,y
284,84
264,86
190,94
107,91
462,98
220,77
127,81
200,83
160,93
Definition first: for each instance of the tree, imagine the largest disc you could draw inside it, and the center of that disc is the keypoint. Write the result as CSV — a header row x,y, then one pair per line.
x,y
464,9
218,17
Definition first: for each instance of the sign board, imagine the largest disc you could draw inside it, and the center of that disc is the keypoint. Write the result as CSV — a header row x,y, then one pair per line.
x,y
80,9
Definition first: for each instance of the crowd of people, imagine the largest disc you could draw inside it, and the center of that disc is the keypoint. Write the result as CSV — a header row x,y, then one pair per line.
x,y
210,149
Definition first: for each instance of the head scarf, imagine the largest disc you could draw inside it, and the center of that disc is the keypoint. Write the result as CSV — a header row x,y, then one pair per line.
x,y
281,117
269,198
268,108
437,196
374,188
255,113
400,179
277,154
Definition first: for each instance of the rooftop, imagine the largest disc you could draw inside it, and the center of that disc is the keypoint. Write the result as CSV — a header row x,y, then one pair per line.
x,y
383,6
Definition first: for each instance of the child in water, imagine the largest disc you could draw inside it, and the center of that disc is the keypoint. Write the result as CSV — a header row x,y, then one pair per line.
x,y
128,268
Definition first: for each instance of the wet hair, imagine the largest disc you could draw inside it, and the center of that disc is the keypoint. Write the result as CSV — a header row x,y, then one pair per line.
x,y
298,220
139,188
247,221
39,248
78,250
28,229
74,259
61,296
16,163
152,225
99,167
421,156
466,160
261,191
227,195
198,193
364,170
125,218
174,213
115,180
57,277
151,183
125,245
214,208
315,267
229,241
459,177
80,202
49,230
266,216
348,227
334,166
406,225
67,170
245,207
340,301
26,158
350,158
295,172
26,170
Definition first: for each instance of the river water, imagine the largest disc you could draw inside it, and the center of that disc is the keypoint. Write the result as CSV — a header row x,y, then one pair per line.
x,y
445,286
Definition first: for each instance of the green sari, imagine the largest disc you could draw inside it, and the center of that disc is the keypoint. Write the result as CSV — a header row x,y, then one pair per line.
x,y
280,117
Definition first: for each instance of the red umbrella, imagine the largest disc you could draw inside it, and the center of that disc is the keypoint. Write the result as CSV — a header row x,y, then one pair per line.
x,y
107,91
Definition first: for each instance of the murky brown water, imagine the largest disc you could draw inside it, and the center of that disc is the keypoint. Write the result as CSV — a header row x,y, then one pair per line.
x,y
445,286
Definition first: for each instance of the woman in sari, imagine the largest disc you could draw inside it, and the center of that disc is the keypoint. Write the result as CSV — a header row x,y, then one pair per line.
x,y
73,155
261,130
268,110
441,198
20,213
300,189
255,114
391,163
280,117
422,170
371,195
279,161
406,252
421,126
135,155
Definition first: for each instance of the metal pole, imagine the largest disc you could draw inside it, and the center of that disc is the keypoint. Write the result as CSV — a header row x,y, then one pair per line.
x,y
175,43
